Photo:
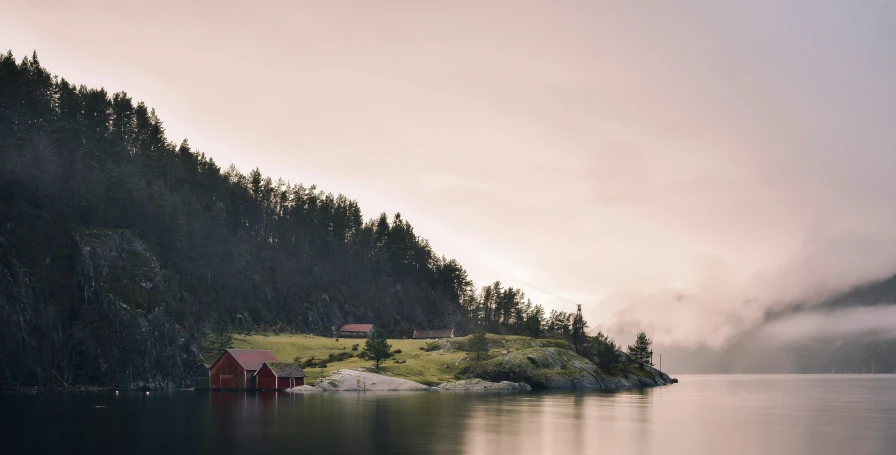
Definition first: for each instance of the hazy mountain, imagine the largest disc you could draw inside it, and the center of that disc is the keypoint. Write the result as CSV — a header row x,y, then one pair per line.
x,y
851,332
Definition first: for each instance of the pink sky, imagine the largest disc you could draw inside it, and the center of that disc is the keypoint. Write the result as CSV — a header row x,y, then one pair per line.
x,y
604,152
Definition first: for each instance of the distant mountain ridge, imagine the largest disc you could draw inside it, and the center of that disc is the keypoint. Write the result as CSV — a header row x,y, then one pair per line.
x,y
855,352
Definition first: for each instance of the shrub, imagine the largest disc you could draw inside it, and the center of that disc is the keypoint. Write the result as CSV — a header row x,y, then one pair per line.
x,y
355,347
363,355
397,351
338,357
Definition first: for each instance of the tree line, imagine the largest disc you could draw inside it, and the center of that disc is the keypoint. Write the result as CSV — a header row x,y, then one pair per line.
x,y
242,244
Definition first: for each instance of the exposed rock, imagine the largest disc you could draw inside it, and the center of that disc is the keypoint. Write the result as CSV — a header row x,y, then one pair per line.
x,y
362,381
137,345
477,384
555,368
90,311
305,389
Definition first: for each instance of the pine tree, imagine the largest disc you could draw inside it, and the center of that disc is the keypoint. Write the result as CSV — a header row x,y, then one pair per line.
x,y
216,342
578,329
478,343
640,352
377,347
606,351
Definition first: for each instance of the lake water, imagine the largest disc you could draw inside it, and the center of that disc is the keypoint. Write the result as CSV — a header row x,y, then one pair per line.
x,y
825,414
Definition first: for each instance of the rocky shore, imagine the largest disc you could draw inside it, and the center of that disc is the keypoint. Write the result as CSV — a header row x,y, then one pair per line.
x,y
556,375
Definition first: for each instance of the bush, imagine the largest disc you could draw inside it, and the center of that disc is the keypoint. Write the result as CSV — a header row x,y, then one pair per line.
x,y
397,351
363,355
431,346
355,347
339,357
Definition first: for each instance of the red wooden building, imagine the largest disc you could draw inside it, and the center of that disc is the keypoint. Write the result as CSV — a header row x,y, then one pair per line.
x,y
279,376
356,331
236,368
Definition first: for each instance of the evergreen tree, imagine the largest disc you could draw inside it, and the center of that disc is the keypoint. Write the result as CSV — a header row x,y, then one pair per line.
x,y
579,326
478,343
606,352
377,347
216,342
533,322
640,352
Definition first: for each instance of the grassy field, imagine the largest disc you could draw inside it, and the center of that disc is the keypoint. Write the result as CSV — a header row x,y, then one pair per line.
x,y
423,367
420,366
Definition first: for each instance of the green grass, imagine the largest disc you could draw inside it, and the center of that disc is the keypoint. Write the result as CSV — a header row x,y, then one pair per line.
x,y
430,368
423,367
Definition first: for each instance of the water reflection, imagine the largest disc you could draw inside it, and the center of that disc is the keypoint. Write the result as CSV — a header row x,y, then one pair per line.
x,y
731,415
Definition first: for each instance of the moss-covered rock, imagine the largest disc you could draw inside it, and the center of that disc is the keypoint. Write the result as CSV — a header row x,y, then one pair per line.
x,y
555,368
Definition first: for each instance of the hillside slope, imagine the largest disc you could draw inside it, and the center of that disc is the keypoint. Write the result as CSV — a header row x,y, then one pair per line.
x,y
229,249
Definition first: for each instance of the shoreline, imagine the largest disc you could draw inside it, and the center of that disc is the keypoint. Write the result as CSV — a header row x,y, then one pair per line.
x,y
356,380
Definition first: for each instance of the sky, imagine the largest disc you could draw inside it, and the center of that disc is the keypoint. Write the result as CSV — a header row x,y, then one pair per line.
x,y
675,167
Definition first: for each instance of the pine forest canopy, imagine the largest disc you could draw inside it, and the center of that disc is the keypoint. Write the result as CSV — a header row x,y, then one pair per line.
x,y
246,249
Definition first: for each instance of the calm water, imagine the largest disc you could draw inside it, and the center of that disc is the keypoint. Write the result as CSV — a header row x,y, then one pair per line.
x,y
701,415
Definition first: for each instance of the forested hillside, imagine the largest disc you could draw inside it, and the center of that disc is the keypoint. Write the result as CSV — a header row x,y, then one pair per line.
x,y
111,235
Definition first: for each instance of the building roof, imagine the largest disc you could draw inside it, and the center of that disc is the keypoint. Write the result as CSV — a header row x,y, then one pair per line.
x,y
251,359
433,334
356,328
286,369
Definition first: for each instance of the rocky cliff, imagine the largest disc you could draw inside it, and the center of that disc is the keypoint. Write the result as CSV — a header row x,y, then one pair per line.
x,y
87,308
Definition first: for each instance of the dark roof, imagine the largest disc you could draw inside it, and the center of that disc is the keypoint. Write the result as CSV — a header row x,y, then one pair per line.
x,y
286,369
356,328
251,359
433,333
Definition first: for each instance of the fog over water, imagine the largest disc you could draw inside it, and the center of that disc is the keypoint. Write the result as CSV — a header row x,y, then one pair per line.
x,y
680,169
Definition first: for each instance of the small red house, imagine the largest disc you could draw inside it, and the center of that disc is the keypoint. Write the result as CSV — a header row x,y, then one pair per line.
x,y
236,368
356,331
279,376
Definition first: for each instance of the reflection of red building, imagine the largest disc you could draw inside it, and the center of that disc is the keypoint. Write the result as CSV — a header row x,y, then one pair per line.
x,y
279,376
236,368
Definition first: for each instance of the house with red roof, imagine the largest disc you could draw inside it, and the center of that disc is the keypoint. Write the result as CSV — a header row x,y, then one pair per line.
x,y
236,368
279,376
356,331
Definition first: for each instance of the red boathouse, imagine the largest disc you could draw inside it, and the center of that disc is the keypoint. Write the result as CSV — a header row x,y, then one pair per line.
x,y
236,368
279,376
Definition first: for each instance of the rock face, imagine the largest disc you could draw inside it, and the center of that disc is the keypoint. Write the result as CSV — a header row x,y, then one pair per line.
x,y
362,381
556,368
480,385
128,297
93,308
